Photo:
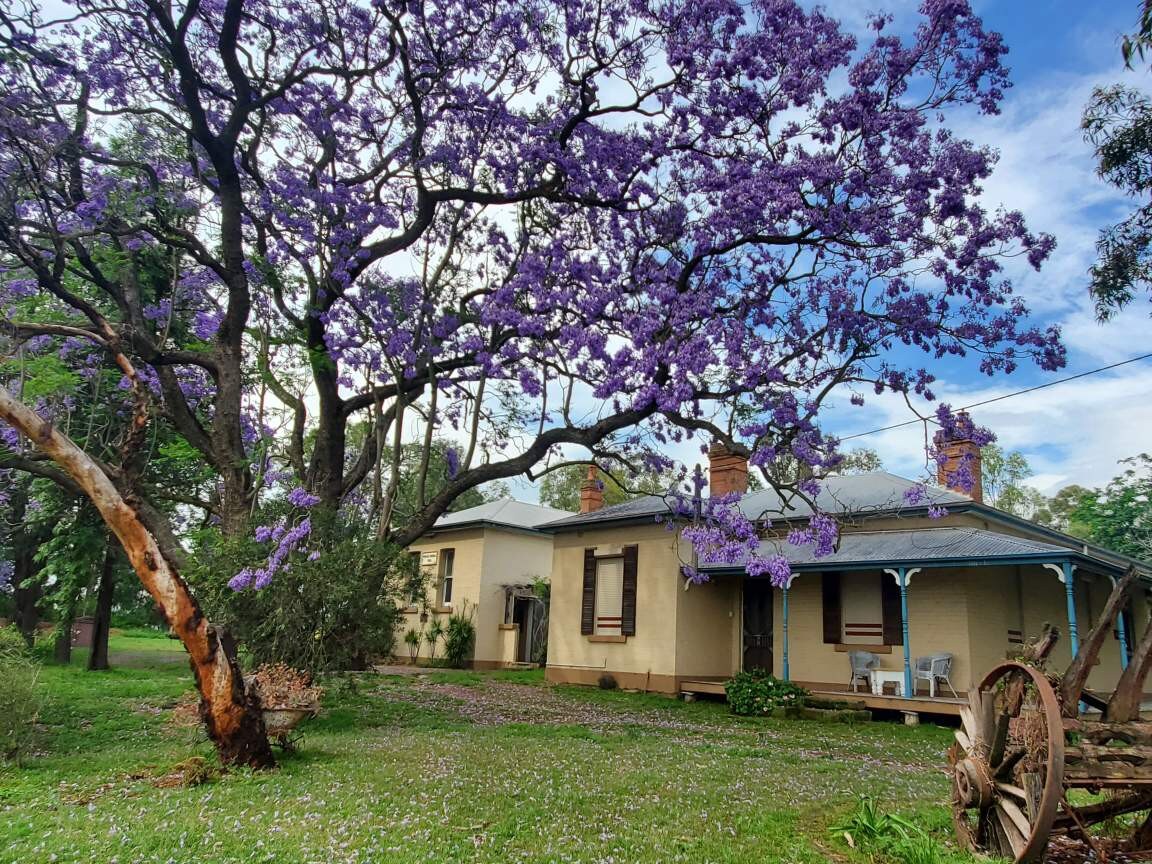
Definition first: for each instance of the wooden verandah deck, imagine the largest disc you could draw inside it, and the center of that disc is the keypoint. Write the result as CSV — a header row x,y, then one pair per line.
x,y
938,706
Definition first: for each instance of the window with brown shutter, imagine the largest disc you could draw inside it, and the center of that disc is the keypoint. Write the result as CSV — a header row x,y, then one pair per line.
x,y
890,606
628,597
588,601
830,589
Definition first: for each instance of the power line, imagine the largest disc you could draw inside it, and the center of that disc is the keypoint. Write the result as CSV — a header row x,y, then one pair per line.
x,y
1005,396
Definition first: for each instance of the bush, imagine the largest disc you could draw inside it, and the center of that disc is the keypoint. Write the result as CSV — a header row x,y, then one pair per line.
x,y
412,640
459,638
12,641
19,698
432,638
336,613
757,693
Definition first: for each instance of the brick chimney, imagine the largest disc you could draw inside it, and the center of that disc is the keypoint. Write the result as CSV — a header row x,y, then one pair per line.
x,y
955,452
592,492
727,472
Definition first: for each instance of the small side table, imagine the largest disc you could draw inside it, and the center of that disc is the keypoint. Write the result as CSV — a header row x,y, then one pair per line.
x,y
880,677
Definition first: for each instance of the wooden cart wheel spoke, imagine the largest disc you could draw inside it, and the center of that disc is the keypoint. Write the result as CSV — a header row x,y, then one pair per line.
x,y
1017,838
1008,764
1016,815
1027,763
1014,791
964,741
997,748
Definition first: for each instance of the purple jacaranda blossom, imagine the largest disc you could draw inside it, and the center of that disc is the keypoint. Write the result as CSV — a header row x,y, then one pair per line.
x,y
300,497
656,251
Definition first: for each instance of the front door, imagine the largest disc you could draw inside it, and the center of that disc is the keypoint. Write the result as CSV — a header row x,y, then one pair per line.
x,y
757,624
524,614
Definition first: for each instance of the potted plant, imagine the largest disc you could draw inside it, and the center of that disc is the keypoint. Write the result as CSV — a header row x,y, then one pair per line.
x,y
286,696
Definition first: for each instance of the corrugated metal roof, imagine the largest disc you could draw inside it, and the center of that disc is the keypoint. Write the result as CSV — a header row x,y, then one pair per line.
x,y
857,494
927,545
506,511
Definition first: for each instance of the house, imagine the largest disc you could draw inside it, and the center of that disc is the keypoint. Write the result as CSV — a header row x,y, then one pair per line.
x,y
486,561
973,583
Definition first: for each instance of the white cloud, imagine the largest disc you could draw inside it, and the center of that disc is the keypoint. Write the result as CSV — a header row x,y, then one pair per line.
x,y
1073,432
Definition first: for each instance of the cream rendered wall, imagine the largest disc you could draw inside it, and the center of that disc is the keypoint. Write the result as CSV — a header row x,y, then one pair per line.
x,y
696,633
809,659
709,628
466,576
937,622
993,598
648,659
510,558
487,558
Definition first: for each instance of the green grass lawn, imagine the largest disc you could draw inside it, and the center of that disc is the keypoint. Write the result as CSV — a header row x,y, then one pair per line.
x,y
453,766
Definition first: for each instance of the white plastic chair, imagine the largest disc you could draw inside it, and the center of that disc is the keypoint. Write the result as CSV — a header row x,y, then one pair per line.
x,y
933,668
862,664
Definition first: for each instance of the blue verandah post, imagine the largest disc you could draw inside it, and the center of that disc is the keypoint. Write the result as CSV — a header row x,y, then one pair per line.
x,y
1070,595
785,611
1122,635
902,579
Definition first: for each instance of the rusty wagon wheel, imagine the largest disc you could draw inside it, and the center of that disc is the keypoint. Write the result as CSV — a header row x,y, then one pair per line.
x,y
1008,764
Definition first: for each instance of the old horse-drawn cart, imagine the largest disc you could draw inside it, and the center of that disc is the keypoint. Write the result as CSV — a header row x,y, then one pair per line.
x,y
1039,758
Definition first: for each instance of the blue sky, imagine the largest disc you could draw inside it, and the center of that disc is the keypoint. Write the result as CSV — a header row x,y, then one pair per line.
x,y
1072,432
1075,432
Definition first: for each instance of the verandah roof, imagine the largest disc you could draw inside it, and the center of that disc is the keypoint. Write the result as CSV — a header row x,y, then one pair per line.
x,y
922,547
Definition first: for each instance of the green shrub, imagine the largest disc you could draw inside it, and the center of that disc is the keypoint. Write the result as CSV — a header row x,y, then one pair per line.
x,y
757,693
459,638
412,640
335,613
915,850
19,702
870,825
12,641
432,638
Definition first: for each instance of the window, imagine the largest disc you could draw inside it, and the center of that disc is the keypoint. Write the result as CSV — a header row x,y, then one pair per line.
x,y
861,608
416,586
447,559
608,606
609,596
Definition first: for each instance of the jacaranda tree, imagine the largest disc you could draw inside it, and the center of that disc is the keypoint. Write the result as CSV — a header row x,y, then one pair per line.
x,y
529,227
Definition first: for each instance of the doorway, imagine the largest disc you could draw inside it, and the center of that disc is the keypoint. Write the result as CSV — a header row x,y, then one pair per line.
x,y
758,599
526,612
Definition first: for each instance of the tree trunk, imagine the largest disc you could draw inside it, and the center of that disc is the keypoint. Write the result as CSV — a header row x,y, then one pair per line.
x,y
62,648
98,656
230,712
26,589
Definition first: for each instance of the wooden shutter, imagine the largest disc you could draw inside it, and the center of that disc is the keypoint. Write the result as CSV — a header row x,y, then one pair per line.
x,y
628,597
830,588
588,601
890,606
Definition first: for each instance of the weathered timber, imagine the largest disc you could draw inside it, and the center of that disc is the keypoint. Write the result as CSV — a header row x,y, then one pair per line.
x,y
1087,764
1109,808
1142,838
1096,732
1094,700
1076,675
1124,706
1034,654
